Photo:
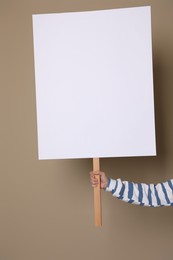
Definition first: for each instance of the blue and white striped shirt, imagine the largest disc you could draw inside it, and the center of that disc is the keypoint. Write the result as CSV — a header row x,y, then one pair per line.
x,y
151,195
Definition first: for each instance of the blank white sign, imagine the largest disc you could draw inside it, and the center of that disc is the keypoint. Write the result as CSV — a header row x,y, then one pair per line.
x,y
94,84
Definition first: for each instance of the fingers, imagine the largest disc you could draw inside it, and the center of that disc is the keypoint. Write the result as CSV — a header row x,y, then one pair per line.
x,y
93,173
93,179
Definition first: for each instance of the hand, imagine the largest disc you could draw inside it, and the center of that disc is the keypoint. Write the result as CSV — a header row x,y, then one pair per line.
x,y
94,181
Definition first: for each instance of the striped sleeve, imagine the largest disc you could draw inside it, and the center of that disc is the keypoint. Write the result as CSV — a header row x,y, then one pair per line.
x,y
151,195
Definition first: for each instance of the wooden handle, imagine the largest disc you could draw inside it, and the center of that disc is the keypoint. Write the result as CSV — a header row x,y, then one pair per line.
x,y
97,195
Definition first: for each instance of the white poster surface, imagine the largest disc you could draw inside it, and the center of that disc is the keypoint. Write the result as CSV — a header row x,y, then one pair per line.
x,y
94,84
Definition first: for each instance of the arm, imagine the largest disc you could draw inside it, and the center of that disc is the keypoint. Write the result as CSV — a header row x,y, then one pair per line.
x,y
152,195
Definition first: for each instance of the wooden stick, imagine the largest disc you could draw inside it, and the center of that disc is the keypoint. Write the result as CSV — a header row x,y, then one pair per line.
x,y
97,195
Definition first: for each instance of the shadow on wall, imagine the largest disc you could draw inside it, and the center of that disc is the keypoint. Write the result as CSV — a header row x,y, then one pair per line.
x,y
159,107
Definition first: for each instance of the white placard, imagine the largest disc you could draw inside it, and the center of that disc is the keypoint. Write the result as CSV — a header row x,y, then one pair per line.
x,y
94,84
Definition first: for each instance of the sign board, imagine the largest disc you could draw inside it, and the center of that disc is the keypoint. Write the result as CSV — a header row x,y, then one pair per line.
x,y
94,84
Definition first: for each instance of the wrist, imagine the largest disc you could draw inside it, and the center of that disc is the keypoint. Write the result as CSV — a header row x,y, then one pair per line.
x,y
105,183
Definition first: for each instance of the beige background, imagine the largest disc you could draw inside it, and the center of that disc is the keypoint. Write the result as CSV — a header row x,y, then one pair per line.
x,y
46,207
